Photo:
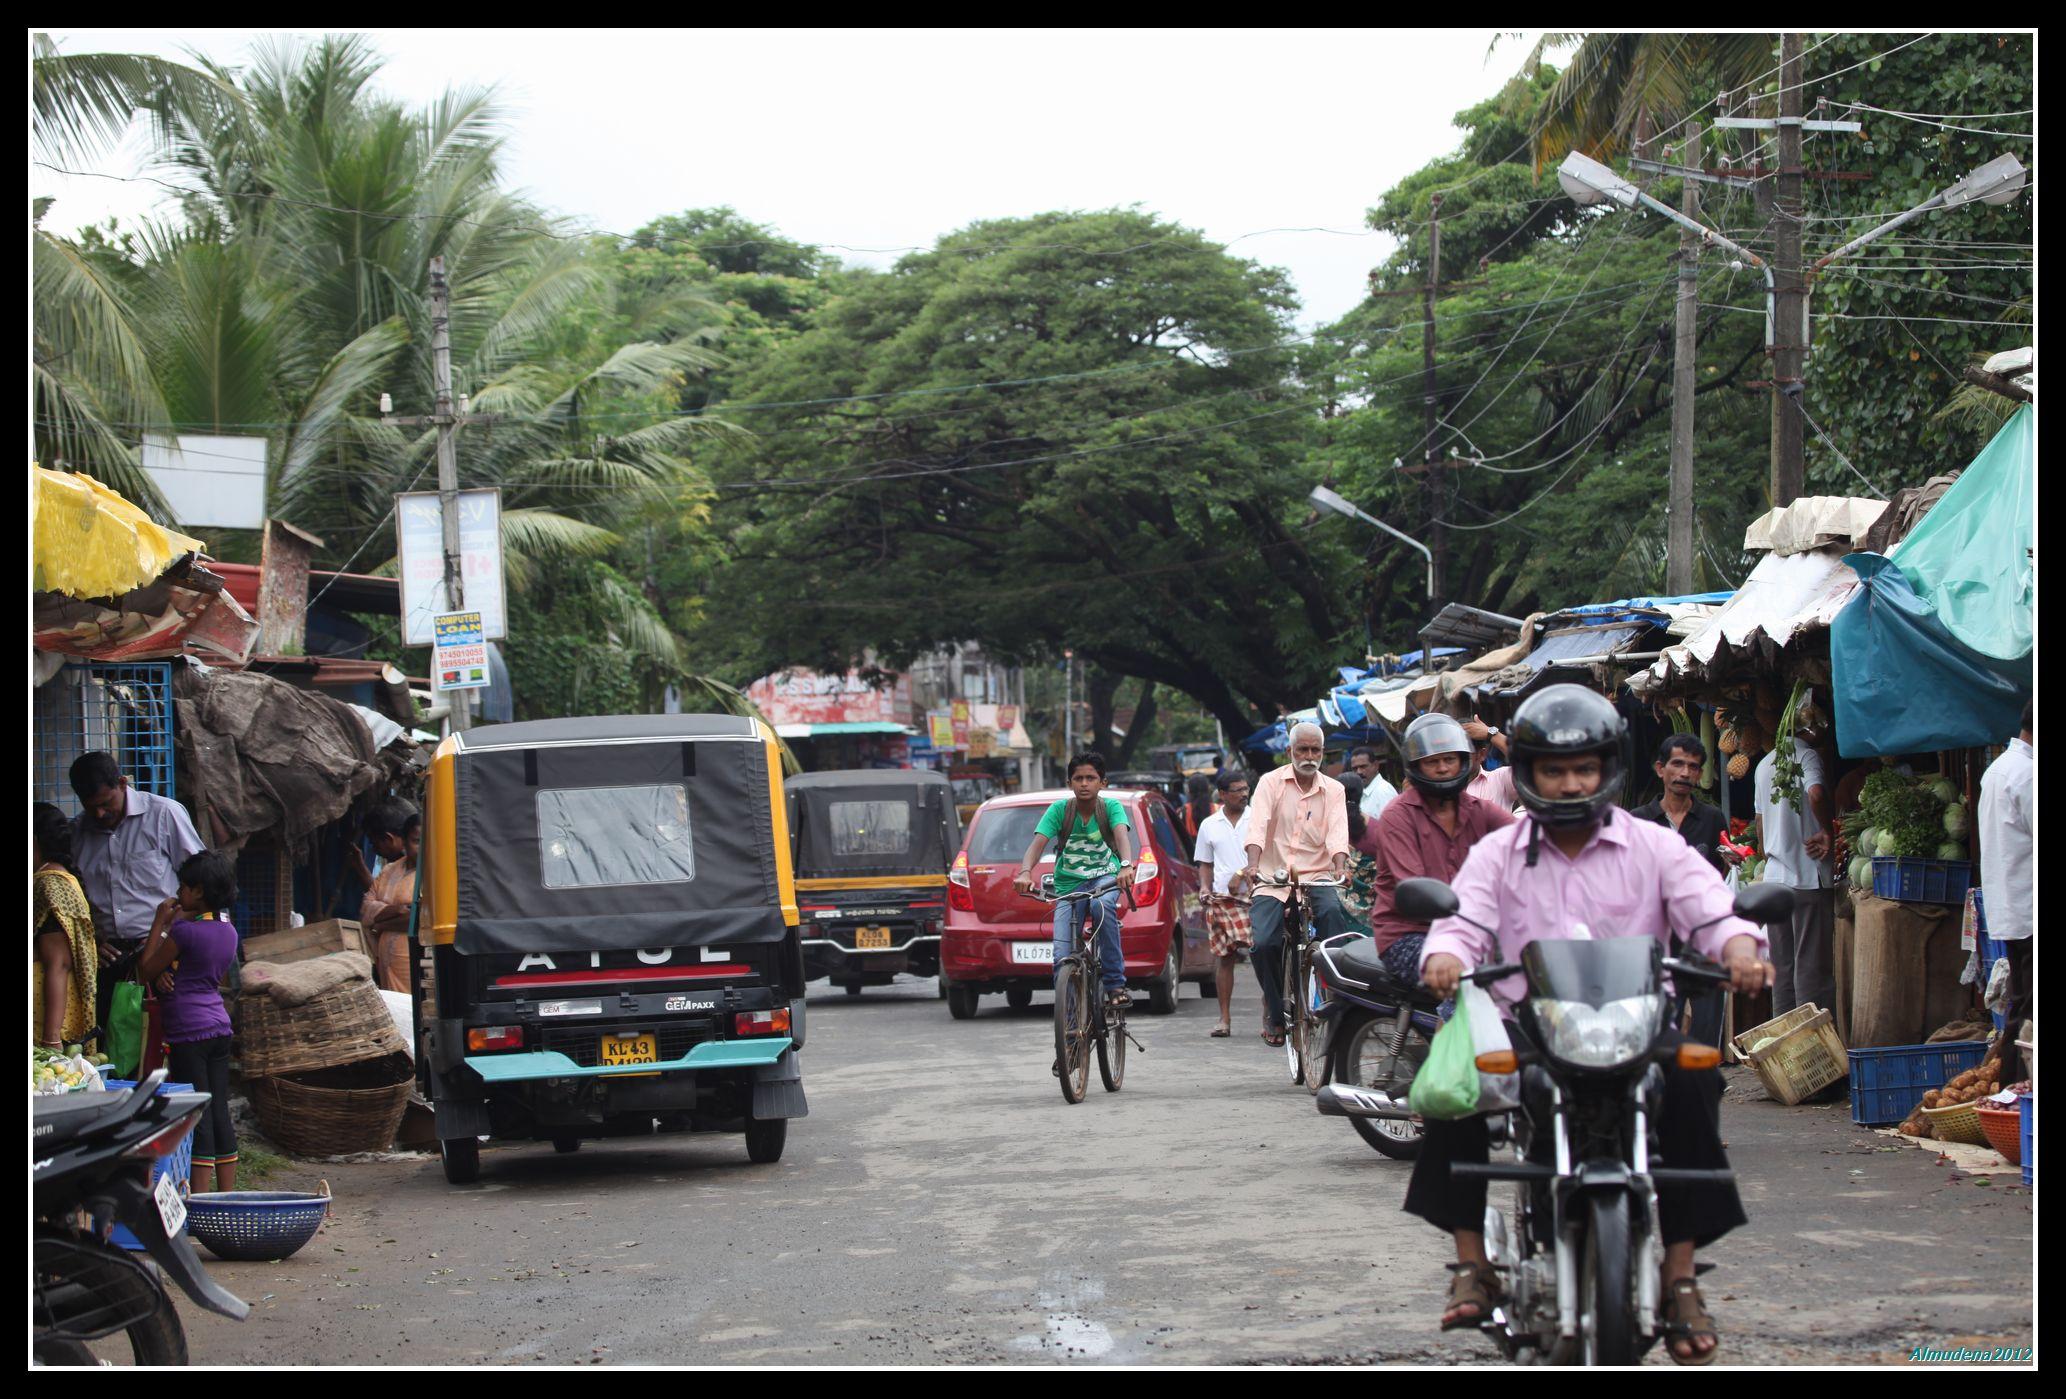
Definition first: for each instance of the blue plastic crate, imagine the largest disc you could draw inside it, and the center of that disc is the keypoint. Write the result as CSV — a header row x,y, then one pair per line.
x,y
1921,881
2026,1106
1888,1083
179,1165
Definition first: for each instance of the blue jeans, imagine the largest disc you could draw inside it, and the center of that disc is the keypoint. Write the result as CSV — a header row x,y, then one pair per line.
x,y
1266,917
1104,906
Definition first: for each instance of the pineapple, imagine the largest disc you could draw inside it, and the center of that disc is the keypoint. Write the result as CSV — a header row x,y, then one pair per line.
x,y
1739,767
1730,741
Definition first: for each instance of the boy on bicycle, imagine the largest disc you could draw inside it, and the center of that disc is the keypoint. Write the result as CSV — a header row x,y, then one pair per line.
x,y
1096,849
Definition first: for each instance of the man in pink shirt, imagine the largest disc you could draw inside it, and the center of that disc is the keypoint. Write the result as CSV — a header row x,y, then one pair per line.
x,y
1298,821
1580,867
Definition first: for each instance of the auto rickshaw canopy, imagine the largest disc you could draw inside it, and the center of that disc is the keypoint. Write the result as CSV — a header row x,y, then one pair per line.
x,y
620,832
873,823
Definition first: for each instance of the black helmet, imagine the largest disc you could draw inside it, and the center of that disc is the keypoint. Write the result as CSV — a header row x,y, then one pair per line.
x,y
1567,721
1437,733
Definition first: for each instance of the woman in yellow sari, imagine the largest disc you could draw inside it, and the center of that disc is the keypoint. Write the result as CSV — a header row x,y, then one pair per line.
x,y
66,957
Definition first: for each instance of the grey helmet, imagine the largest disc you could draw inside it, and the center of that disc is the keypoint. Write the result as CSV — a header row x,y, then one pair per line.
x,y
1437,733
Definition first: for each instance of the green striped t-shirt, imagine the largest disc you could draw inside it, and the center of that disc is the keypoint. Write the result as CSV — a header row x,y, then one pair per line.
x,y
1084,856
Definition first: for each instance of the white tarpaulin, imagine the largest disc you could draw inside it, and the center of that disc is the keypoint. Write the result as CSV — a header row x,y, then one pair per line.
x,y
1785,595
1814,522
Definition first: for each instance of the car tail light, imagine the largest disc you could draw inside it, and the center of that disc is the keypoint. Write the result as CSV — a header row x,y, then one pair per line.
x,y
761,1022
488,1039
959,895
1147,883
161,1144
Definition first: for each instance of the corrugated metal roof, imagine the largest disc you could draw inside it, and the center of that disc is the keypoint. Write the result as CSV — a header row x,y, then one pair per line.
x,y
1785,595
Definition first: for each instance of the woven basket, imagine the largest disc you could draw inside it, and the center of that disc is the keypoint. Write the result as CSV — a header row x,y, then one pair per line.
x,y
344,1025
315,1119
1958,1123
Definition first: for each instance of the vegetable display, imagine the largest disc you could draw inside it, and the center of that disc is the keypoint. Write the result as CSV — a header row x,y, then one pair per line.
x,y
1912,818
1974,1084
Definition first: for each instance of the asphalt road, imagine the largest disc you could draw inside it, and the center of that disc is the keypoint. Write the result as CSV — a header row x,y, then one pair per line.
x,y
942,1204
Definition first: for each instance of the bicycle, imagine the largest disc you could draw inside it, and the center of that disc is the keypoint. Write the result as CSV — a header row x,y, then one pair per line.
x,y
1081,1016
1301,1020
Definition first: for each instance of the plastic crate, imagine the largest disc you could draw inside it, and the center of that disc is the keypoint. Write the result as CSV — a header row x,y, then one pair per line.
x,y
179,1165
1805,1058
1921,881
2026,1105
1888,1083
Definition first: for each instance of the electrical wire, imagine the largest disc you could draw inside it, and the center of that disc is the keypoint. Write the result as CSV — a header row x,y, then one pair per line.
x,y
1831,444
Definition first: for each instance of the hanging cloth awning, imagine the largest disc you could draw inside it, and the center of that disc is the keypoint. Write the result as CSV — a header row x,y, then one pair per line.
x,y
90,542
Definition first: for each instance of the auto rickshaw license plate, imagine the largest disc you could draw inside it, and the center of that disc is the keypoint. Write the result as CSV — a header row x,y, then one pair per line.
x,y
872,937
629,1049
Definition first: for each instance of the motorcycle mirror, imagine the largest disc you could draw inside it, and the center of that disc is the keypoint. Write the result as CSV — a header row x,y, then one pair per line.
x,y
1764,903
1425,900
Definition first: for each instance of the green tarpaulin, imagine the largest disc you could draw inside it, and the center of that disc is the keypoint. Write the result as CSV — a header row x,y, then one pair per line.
x,y
1969,558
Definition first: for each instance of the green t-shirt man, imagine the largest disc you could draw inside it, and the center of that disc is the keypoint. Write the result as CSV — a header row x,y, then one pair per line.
x,y
1084,856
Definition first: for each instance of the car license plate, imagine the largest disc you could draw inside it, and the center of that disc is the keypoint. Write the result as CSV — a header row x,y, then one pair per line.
x,y
1040,953
871,937
171,1209
629,1049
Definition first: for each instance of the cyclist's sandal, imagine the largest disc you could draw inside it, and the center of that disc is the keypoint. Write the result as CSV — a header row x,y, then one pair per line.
x,y
1471,1285
1685,1316
1272,1037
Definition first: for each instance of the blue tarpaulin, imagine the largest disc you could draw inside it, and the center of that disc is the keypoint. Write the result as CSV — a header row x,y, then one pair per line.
x,y
1904,683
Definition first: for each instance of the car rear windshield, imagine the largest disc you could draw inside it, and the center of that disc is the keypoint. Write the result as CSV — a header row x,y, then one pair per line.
x,y
871,828
1002,833
591,836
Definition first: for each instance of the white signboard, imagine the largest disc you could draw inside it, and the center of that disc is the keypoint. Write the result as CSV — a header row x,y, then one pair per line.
x,y
420,544
216,482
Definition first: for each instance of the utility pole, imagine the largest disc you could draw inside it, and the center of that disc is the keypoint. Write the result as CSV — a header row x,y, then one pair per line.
x,y
448,460
1431,481
1678,562
1789,353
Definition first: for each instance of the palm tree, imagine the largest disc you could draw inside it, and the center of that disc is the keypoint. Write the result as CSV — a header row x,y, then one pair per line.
x,y
1619,89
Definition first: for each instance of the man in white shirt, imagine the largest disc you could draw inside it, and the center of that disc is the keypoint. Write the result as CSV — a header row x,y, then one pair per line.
x,y
2006,828
1794,835
1376,791
1223,853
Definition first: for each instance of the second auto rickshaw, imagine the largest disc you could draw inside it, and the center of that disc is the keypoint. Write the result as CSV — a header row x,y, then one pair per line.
x,y
872,850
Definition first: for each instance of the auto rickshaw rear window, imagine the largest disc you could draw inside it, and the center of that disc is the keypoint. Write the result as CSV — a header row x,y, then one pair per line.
x,y
590,837
870,828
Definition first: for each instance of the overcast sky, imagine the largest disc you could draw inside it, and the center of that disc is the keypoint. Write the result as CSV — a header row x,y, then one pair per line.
x,y
887,139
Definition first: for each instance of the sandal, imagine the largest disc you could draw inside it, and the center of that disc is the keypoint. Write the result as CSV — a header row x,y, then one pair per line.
x,y
1274,1038
1471,1285
1685,1317
1220,1033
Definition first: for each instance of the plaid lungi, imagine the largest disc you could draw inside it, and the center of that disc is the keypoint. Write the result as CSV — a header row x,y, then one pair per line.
x,y
1226,924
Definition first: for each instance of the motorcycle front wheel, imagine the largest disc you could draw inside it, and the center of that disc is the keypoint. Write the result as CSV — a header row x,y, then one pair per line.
x,y
1609,1331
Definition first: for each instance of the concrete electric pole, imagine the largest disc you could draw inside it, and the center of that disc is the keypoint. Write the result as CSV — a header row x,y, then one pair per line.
x,y
1789,352
1678,563
448,460
1432,480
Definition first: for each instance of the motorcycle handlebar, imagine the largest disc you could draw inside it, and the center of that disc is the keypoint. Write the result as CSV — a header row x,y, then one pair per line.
x,y
1698,971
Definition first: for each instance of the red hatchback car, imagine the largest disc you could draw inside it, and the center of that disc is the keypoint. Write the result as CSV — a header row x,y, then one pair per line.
x,y
997,940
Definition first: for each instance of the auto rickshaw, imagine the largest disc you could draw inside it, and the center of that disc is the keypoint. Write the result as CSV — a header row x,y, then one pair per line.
x,y
872,850
612,923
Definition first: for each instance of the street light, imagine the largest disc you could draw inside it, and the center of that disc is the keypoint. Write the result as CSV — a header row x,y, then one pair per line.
x,y
1999,181
1589,182
1329,500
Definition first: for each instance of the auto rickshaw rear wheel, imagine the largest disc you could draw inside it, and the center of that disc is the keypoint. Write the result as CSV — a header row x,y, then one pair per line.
x,y
765,1139
566,1145
462,1159
853,988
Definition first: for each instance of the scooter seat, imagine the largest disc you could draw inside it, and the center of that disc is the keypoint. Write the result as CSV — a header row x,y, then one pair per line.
x,y
1358,960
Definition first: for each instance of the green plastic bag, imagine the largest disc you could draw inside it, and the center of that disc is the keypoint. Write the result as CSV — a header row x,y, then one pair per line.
x,y
125,1029
1446,1088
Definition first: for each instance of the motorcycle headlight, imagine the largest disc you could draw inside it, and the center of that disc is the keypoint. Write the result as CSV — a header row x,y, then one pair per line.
x,y
1598,1037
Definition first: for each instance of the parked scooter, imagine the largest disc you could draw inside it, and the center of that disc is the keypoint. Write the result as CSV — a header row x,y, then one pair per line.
x,y
1376,1036
91,1157
1580,1250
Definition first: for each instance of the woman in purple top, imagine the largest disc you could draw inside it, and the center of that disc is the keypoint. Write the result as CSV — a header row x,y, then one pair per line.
x,y
191,938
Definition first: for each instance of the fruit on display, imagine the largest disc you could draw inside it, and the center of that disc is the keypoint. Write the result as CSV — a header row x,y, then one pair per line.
x,y
1739,767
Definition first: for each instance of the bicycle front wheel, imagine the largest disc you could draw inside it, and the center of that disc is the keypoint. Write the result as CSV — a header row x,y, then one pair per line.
x,y
1294,1022
1072,1029
1112,1050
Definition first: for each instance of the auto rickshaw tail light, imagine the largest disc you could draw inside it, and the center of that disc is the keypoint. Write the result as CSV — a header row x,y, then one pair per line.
x,y
761,1022
487,1039
959,895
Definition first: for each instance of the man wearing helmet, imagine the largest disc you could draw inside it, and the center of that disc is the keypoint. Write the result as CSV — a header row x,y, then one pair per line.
x,y
1576,866
1425,832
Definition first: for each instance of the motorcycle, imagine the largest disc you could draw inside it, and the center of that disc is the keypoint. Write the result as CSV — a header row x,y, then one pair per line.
x,y
1376,1034
91,1156
1580,1253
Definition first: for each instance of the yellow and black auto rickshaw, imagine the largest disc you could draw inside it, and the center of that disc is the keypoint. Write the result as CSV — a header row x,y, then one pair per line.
x,y
872,851
612,919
